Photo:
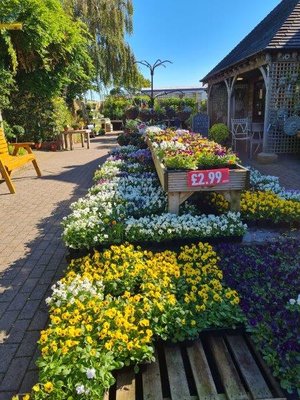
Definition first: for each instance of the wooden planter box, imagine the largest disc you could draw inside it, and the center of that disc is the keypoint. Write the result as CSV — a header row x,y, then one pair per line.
x,y
175,184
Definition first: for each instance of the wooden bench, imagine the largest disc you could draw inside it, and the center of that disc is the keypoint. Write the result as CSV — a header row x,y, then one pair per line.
x,y
214,367
10,162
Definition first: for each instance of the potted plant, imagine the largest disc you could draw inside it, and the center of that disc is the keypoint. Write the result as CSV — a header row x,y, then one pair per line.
x,y
219,133
38,143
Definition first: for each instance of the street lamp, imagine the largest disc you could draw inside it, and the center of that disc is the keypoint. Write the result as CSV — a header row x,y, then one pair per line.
x,y
158,63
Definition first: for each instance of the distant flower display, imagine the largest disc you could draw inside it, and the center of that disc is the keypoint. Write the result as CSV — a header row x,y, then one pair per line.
x,y
185,150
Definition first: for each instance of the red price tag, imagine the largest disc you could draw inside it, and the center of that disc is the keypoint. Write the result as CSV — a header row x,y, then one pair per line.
x,y
208,177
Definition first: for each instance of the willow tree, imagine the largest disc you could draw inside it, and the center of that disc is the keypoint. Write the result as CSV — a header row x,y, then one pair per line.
x,y
109,21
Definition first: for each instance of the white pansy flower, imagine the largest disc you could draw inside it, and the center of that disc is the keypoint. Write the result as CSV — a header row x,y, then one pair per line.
x,y
90,373
80,389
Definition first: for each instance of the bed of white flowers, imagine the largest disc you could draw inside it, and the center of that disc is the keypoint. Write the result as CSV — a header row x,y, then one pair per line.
x,y
127,203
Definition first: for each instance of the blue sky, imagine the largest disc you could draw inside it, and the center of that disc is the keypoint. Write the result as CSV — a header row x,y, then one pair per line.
x,y
194,34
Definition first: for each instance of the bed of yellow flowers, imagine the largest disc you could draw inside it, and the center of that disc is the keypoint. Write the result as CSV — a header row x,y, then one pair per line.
x,y
262,206
111,307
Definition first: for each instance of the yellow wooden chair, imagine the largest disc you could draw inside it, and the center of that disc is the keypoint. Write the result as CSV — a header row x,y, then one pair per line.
x,y
10,162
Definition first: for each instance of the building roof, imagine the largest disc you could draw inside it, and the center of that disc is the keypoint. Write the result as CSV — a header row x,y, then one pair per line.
x,y
280,30
182,88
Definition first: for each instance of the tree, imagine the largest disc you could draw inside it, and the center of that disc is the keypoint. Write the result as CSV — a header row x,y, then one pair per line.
x,y
48,58
108,22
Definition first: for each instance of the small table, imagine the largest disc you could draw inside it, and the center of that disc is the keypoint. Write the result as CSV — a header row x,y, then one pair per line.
x,y
69,134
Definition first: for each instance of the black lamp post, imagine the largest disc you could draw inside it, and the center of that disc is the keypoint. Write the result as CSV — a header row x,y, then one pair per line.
x,y
158,63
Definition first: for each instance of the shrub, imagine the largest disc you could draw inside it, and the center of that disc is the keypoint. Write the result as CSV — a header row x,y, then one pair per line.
x,y
219,133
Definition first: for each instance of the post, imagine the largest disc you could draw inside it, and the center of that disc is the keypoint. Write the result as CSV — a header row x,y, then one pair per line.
x,y
266,75
173,202
229,82
235,200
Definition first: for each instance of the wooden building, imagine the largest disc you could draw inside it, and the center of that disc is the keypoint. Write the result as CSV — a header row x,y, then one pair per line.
x,y
260,80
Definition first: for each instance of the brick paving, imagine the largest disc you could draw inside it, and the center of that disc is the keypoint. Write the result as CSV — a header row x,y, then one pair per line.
x,y
287,168
32,254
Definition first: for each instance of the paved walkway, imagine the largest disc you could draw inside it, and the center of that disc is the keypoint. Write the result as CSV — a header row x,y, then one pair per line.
x,y
287,169
32,255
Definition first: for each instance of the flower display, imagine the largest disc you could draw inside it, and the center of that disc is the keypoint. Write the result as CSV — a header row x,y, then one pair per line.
x,y
186,150
111,307
125,192
267,279
262,206
170,226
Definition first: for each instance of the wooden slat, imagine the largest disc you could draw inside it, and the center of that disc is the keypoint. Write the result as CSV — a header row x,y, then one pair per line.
x,y
275,386
106,396
126,385
228,373
177,378
152,381
205,385
248,367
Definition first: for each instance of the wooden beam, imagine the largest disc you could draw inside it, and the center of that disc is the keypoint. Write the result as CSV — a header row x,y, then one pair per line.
x,y
243,67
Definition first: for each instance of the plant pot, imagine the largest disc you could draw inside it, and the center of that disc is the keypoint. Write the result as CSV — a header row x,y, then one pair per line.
x,y
53,146
37,145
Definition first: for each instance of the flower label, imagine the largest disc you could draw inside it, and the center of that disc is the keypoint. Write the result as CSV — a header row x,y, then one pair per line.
x,y
209,177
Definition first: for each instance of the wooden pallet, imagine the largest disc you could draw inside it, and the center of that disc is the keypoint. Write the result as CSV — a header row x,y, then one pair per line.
x,y
215,367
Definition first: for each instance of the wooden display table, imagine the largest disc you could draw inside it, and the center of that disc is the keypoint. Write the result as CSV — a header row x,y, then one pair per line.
x,y
68,136
175,183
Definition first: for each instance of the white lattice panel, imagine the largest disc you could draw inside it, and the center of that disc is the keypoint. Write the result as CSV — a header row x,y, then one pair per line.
x,y
284,102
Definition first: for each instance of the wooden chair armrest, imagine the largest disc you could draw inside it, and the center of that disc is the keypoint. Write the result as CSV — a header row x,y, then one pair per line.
x,y
25,144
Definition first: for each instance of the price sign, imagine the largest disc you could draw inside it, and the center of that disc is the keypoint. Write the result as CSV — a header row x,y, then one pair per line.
x,y
209,177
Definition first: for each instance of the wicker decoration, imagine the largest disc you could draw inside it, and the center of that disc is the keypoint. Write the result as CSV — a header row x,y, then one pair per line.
x,y
292,125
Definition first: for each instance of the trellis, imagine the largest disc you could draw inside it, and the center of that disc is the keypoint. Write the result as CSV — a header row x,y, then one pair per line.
x,y
284,101
218,103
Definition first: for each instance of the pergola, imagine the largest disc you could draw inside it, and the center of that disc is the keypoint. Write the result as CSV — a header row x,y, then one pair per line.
x,y
260,78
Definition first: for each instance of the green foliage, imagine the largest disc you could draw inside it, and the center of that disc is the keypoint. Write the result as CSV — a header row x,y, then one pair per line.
x,y
50,52
219,133
203,106
61,114
50,56
132,125
7,83
42,118
108,23
8,132
177,103
114,107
